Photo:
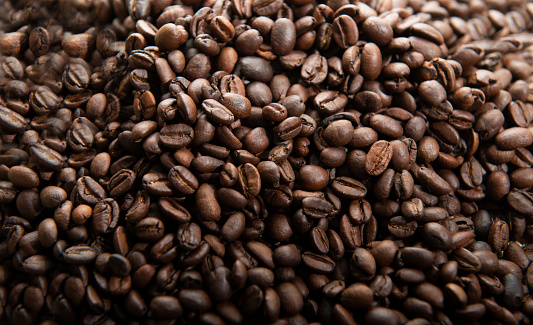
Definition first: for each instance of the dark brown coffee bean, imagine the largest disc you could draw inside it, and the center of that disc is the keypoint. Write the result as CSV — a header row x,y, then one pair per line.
x,y
149,229
48,232
520,201
345,31
79,255
105,216
176,136
378,158
382,315
371,60
37,264
338,133
313,178
283,36
320,264
291,299
357,296
314,69
168,206
513,138
89,190
121,182
23,177
331,102
46,157
362,265
183,180
157,184
286,255
206,202
437,236
170,37
433,181
289,128
195,299
254,68
401,227
233,227
498,235
249,180
466,260
217,113
348,187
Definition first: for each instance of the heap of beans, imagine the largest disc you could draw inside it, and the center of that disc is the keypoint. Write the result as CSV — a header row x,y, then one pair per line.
x,y
266,162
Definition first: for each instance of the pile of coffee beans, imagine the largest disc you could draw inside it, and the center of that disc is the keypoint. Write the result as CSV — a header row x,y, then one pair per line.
x,y
266,162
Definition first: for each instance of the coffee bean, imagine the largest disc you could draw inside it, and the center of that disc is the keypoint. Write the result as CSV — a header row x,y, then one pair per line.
x,y
437,236
371,61
89,190
23,177
313,177
121,182
498,235
314,69
378,157
157,184
176,136
79,255
48,232
283,36
45,157
105,216
348,187
183,180
382,315
318,263
402,228
291,299
356,296
345,31
362,265
149,229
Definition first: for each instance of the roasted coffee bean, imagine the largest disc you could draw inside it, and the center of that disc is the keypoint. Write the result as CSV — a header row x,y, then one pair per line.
x,y
437,236
23,177
348,187
283,36
79,255
206,202
46,157
378,157
318,263
313,178
121,182
89,190
357,296
433,181
157,184
513,138
48,232
149,229
371,61
314,69
105,216
291,299
402,228
176,136
498,236
183,180
345,31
